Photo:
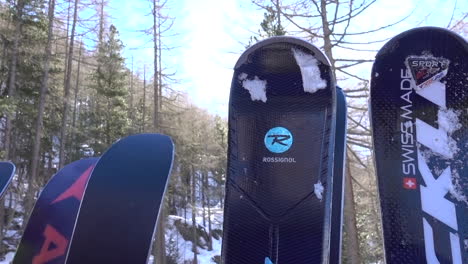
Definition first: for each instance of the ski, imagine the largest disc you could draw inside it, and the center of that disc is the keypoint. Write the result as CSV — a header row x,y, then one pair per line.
x,y
7,171
338,179
48,232
419,102
282,115
121,203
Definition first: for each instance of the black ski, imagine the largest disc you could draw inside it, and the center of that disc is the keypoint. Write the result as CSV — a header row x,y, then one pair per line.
x,y
338,179
280,158
120,207
419,102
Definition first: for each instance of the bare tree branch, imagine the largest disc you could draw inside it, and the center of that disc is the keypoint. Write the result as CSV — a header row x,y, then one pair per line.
x,y
357,108
357,90
377,29
362,187
352,75
362,144
355,155
459,21
355,49
453,13
358,123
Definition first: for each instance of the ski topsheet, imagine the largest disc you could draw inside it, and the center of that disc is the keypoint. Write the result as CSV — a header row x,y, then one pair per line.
x,y
48,232
280,155
338,179
120,207
7,171
419,103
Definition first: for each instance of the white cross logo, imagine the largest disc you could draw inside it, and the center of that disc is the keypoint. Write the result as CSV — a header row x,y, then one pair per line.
x,y
410,183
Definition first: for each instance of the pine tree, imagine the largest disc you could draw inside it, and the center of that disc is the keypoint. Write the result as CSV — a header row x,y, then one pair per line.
x,y
111,117
271,24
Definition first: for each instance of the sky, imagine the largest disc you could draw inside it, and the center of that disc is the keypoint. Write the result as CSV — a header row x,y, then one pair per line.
x,y
208,36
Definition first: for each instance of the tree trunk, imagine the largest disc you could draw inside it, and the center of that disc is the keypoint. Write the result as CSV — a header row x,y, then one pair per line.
x,y
160,66
210,237
194,215
185,205
6,214
159,249
327,45
100,35
222,196
63,129
352,244
375,208
101,23
143,118
155,62
132,111
43,93
3,64
13,73
107,135
203,198
73,145
39,122
2,223
66,42
278,13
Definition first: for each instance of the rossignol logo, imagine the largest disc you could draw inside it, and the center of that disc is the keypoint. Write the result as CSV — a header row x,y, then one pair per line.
x,y
278,160
427,69
278,140
421,72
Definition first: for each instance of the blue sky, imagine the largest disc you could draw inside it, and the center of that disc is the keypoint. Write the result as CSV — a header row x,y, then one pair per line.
x,y
209,35
206,38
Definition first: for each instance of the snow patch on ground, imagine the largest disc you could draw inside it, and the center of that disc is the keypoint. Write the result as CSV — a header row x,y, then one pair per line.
x,y
310,71
205,256
318,190
8,258
175,239
13,202
12,234
256,87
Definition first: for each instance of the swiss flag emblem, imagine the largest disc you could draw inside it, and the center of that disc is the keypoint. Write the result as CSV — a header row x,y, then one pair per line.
x,y
410,183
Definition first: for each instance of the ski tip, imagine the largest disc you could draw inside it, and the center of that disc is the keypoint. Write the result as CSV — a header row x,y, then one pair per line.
x,y
318,54
8,164
161,138
341,96
435,32
7,171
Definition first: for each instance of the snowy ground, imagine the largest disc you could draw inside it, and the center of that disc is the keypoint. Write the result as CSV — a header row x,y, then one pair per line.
x,y
185,247
8,258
